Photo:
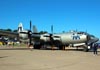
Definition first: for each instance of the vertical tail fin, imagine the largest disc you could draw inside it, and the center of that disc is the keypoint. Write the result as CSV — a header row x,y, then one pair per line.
x,y
20,27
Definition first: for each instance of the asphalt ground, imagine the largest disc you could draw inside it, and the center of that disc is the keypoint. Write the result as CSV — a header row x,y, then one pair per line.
x,y
20,58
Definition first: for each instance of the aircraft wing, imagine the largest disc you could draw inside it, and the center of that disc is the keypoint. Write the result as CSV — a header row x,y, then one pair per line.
x,y
9,34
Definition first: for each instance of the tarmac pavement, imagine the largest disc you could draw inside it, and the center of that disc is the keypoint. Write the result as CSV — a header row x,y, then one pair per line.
x,y
26,59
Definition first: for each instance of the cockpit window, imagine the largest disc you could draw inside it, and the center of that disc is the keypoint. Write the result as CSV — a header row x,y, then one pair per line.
x,y
92,37
83,33
79,33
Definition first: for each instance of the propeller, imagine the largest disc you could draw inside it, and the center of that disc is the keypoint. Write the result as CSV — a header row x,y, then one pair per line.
x,y
30,33
51,36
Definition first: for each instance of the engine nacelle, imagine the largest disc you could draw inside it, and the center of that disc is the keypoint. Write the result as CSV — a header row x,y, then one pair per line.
x,y
23,35
44,38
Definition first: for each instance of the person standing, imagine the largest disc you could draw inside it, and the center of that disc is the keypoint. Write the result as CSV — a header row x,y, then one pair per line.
x,y
95,47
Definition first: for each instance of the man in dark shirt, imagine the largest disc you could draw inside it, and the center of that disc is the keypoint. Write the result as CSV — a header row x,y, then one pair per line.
x,y
95,47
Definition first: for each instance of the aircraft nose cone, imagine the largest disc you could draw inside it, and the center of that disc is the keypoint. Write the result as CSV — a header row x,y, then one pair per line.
x,y
96,39
92,39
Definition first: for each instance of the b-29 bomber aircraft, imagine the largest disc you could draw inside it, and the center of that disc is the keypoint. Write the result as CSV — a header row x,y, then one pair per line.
x,y
60,40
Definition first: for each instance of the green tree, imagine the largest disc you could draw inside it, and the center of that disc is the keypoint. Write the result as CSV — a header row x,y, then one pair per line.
x,y
15,30
43,32
9,30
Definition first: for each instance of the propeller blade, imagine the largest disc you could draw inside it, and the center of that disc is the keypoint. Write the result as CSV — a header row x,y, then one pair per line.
x,y
30,25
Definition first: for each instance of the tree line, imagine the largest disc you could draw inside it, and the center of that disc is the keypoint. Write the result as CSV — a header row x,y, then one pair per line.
x,y
10,30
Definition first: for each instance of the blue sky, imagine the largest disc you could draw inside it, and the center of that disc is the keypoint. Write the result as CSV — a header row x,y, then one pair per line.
x,y
64,15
